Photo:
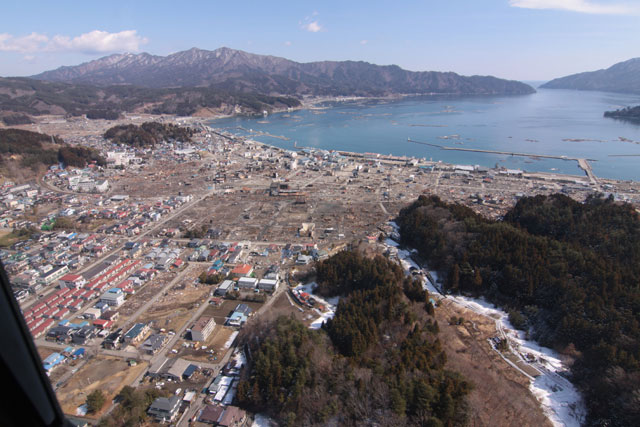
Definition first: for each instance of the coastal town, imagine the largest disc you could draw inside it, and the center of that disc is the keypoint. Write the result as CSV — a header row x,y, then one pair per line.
x,y
144,271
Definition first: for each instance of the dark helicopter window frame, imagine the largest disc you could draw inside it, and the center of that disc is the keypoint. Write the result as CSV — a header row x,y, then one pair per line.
x,y
29,399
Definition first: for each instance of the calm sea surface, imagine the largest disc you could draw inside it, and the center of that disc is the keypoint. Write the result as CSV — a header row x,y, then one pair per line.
x,y
552,122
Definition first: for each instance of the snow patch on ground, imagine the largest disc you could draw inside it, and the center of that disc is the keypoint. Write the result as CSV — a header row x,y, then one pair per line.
x,y
231,339
81,410
240,359
330,305
561,401
391,242
261,420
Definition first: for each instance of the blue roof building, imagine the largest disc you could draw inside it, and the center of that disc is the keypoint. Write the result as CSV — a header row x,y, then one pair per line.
x,y
52,361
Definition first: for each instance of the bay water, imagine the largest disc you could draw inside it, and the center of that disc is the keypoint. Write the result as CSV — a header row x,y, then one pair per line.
x,y
549,122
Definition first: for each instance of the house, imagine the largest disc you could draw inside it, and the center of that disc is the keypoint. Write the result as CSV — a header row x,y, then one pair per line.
x,y
242,270
113,340
240,315
176,370
189,371
210,414
53,275
244,309
72,281
110,315
224,288
154,343
102,324
84,334
136,333
303,259
92,313
201,330
53,360
164,409
60,333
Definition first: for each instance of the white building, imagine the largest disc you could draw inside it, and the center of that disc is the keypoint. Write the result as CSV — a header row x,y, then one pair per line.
x,y
269,285
102,186
201,330
113,297
247,283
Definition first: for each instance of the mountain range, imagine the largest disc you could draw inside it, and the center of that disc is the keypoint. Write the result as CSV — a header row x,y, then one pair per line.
x,y
238,71
622,77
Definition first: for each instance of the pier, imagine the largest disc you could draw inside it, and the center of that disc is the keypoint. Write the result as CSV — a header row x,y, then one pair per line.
x,y
582,162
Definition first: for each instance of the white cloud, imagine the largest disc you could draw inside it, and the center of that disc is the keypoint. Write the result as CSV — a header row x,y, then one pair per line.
x,y
313,27
582,6
92,42
29,43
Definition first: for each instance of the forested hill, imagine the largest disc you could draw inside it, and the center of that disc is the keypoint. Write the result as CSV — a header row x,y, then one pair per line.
x,y
621,77
378,362
25,149
631,114
148,134
569,272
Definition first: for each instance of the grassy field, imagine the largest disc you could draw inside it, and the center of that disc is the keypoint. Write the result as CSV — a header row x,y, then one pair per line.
x,y
8,238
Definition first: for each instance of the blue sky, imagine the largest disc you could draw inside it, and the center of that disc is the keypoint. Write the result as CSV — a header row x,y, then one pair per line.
x,y
516,39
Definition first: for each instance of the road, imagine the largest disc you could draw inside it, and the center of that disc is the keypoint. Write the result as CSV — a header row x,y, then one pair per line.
x,y
29,302
586,166
161,356
155,298
199,403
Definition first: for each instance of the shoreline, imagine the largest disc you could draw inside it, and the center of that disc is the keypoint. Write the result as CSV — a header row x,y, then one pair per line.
x,y
584,162
403,160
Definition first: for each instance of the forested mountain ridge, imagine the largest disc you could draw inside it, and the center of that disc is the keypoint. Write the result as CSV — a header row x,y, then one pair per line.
x,y
377,362
621,77
242,72
569,273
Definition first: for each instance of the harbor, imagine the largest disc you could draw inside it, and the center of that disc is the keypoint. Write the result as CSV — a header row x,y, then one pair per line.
x,y
582,162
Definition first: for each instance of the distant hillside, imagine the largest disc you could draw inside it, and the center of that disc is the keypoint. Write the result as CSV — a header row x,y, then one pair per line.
x,y
621,77
238,71
14,119
36,97
631,114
